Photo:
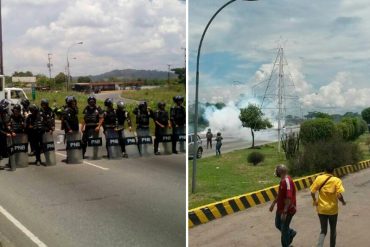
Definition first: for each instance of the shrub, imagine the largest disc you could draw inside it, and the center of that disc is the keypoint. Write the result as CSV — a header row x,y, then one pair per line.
x,y
317,130
255,158
290,145
317,156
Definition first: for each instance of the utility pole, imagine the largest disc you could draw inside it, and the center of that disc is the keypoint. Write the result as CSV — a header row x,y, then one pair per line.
x,y
1,43
49,65
168,74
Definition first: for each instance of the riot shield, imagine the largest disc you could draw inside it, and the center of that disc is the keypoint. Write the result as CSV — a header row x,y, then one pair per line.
x,y
48,147
11,160
18,151
94,145
74,148
180,137
165,140
145,142
112,144
130,140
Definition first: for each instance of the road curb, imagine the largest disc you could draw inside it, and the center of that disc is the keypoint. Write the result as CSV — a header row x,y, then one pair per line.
x,y
216,210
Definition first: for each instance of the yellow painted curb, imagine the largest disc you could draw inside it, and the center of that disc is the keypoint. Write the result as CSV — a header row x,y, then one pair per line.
x,y
216,210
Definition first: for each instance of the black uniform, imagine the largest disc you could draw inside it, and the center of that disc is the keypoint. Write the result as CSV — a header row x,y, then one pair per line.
x,y
110,122
4,130
122,117
17,124
142,117
35,124
91,118
178,121
49,118
160,116
70,120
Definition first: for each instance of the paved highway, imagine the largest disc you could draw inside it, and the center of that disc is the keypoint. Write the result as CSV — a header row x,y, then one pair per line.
x,y
255,226
130,202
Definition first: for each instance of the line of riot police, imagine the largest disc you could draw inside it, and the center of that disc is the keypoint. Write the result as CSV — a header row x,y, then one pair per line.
x,y
25,124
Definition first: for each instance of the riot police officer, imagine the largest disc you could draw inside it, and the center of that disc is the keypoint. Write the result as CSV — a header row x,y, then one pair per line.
x,y
110,125
178,120
93,120
4,131
162,122
48,116
122,117
69,118
17,122
25,103
36,129
143,114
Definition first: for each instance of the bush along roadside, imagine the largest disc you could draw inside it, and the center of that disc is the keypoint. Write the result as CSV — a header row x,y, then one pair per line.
x,y
325,143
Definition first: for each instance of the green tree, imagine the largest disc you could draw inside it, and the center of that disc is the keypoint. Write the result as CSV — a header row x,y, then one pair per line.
x,y
60,78
252,117
42,80
84,79
181,74
319,129
366,115
22,74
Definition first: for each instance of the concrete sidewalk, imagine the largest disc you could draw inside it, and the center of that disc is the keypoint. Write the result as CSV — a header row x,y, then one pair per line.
x,y
255,226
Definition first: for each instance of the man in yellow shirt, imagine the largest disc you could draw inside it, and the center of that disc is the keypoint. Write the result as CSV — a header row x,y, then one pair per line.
x,y
329,189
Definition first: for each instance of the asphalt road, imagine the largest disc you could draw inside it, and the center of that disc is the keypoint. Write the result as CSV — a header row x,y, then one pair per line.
x,y
129,202
115,95
255,226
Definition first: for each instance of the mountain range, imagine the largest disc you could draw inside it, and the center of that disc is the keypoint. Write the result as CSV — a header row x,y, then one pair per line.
x,y
133,74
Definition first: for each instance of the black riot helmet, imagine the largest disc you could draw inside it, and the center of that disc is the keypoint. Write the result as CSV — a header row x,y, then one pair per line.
x,y
91,101
70,100
25,103
161,105
108,102
44,103
33,109
17,108
120,105
143,105
178,99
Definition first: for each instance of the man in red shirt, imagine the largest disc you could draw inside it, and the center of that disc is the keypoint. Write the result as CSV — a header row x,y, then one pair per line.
x,y
286,206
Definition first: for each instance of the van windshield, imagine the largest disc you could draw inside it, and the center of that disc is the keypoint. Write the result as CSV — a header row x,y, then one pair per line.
x,y
17,94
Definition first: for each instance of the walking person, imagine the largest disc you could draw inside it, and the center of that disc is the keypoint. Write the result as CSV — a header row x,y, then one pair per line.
x,y
209,137
218,144
329,190
286,206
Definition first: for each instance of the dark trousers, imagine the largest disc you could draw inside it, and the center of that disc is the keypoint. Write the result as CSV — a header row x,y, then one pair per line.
x,y
85,136
35,137
158,134
218,149
209,143
175,133
284,227
122,141
332,219
3,144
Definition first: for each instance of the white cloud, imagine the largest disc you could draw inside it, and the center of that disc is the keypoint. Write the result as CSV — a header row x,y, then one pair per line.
x,y
117,34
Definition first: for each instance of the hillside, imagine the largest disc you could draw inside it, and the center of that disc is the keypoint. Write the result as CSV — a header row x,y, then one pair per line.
x,y
133,74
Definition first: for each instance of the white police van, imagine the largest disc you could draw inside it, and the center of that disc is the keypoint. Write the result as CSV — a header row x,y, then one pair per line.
x,y
13,94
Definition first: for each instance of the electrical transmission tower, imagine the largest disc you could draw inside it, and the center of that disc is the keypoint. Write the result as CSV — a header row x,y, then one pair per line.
x,y
278,95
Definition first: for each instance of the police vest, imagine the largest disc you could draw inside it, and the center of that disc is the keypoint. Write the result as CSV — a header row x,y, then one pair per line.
x,y
178,115
37,122
162,117
17,123
110,119
142,119
91,116
48,116
70,116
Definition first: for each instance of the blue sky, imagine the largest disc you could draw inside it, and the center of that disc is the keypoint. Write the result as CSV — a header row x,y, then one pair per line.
x,y
327,45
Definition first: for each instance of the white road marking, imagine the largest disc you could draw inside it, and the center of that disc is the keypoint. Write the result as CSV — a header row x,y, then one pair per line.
x,y
21,227
87,163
